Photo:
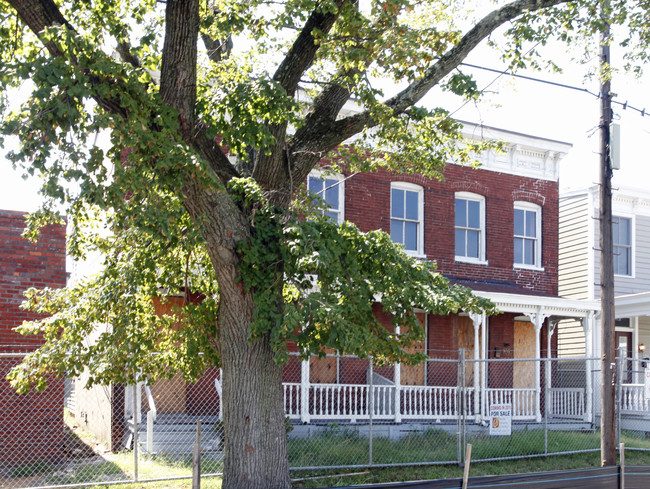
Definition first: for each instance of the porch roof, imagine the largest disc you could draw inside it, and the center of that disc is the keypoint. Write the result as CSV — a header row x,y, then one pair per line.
x,y
557,307
632,305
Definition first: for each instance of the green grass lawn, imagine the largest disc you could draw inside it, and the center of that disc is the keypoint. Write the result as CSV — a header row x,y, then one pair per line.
x,y
340,447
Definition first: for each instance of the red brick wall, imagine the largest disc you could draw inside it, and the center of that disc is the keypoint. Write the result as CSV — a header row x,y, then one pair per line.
x,y
32,424
24,264
367,204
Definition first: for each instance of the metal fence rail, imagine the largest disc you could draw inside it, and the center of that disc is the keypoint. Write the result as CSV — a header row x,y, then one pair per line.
x,y
342,411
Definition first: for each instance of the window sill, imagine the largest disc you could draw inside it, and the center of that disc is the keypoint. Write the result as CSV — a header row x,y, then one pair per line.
x,y
528,267
473,261
416,254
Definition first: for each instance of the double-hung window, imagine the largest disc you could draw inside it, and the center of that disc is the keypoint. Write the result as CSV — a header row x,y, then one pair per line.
x,y
622,237
330,188
406,216
527,235
470,227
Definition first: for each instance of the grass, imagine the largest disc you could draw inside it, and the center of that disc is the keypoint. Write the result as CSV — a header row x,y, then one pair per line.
x,y
339,446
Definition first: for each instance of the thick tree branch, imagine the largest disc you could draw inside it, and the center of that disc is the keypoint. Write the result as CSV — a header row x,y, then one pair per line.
x,y
314,140
178,71
124,50
272,169
302,52
38,15
218,50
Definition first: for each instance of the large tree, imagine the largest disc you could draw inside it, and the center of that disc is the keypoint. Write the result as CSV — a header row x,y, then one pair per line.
x,y
216,112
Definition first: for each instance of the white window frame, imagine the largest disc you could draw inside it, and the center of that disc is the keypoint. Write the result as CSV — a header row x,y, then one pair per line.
x,y
529,206
481,259
321,175
411,187
631,245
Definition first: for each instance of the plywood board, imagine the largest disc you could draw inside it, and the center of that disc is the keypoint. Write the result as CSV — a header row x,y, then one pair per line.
x,y
466,341
524,347
414,374
322,370
169,395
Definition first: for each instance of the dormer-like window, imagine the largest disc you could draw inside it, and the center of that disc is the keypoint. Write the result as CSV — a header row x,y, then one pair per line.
x,y
330,188
407,216
622,237
470,227
527,235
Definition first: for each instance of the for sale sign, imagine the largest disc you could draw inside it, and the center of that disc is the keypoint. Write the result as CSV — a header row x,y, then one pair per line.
x,y
500,419
646,386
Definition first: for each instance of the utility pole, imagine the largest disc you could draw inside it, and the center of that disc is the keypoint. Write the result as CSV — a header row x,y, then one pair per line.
x,y
607,406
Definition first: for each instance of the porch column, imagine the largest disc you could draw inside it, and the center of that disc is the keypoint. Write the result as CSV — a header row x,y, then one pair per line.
x,y
304,391
538,319
398,387
484,367
588,328
477,321
551,327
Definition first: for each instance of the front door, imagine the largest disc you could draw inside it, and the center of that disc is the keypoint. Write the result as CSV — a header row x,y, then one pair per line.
x,y
623,341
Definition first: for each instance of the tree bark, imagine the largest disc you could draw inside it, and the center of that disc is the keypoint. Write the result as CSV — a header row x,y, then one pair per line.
x,y
255,448
255,451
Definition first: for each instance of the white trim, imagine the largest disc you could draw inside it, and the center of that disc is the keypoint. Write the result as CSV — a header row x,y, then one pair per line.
x,y
324,175
529,206
470,196
410,187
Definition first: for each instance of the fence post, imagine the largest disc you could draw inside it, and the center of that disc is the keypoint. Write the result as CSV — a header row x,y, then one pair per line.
x,y
619,390
196,458
371,410
547,400
135,429
304,391
398,392
460,405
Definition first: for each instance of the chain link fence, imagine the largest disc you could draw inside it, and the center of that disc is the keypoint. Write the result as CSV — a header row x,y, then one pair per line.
x,y
342,411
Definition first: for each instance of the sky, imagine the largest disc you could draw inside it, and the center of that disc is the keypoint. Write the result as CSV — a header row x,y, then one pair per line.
x,y
513,104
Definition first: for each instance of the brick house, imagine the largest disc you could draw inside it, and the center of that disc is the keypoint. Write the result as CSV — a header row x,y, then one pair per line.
x,y
32,424
492,229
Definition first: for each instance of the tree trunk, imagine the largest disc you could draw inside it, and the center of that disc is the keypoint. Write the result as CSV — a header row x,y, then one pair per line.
x,y
255,445
255,451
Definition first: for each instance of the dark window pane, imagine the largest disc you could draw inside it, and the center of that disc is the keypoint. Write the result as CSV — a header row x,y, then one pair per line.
x,y
411,236
461,212
473,214
531,224
472,244
519,251
519,222
332,193
622,230
460,242
315,185
397,203
397,231
412,205
622,262
529,252
333,216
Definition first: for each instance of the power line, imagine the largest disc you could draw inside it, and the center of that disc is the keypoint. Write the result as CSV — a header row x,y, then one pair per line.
x,y
625,104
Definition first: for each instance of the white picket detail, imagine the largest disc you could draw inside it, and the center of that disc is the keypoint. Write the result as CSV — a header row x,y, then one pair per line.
x,y
632,399
567,403
524,401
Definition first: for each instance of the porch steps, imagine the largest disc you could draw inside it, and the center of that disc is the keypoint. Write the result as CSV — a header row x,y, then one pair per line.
x,y
176,438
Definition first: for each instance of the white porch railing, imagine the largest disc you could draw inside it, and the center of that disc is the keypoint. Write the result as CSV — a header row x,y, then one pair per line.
x,y
632,399
524,401
431,402
567,403
350,402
